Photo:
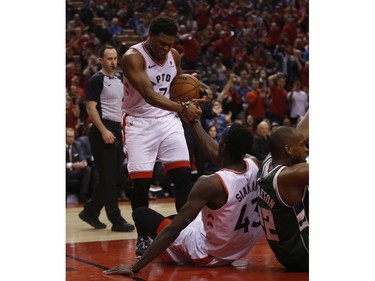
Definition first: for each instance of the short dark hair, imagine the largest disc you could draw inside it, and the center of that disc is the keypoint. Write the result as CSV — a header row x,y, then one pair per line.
x,y
164,24
280,137
103,48
239,140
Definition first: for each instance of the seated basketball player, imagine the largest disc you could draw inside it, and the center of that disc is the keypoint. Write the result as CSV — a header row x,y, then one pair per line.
x,y
218,224
284,196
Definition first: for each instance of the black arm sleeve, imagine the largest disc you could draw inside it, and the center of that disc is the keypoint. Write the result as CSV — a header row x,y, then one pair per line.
x,y
94,87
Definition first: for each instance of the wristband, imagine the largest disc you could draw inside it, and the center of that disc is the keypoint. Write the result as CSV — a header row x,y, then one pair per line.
x,y
185,105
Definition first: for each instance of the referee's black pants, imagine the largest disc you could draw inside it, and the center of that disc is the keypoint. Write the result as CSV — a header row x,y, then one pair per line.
x,y
108,161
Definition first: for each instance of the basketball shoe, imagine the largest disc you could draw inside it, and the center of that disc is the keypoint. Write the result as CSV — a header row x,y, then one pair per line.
x,y
143,242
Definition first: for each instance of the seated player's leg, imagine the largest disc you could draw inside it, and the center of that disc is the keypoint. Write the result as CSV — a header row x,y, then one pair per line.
x,y
149,223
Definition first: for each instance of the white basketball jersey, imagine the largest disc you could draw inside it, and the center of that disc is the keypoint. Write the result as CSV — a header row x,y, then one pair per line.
x,y
160,75
234,229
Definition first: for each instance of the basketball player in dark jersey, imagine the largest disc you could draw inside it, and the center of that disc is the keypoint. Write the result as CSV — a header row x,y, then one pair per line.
x,y
283,196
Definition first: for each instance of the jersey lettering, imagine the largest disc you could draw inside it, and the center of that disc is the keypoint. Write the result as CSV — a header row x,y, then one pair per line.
x,y
163,77
246,190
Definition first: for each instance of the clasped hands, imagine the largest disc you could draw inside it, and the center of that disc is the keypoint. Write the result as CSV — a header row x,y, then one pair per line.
x,y
193,110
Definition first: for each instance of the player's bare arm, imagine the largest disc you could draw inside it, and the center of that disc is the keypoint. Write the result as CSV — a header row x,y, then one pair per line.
x,y
206,143
303,125
292,181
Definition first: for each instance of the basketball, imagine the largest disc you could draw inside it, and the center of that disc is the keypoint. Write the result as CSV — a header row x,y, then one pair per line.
x,y
184,87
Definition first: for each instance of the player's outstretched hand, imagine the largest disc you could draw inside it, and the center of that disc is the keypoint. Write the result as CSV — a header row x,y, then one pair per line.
x,y
119,269
200,102
203,98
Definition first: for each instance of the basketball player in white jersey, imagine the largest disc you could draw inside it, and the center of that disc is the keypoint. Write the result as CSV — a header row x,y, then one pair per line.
x,y
152,124
219,222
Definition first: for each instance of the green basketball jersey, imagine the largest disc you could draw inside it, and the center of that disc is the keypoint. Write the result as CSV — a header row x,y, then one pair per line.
x,y
286,227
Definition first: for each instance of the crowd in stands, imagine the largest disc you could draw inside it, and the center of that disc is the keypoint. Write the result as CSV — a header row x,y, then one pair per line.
x,y
252,56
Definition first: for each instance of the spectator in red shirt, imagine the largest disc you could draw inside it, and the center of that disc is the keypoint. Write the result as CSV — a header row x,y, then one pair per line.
x,y
192,49
224,48
274,36
258,101
303,70
205,38
170,10
216,32
75,42
72,115
289,30
279,97
217,14
69,73
202,14
233,14
76,81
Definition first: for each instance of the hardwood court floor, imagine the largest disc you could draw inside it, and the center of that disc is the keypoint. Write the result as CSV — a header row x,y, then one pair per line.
x,y
90,251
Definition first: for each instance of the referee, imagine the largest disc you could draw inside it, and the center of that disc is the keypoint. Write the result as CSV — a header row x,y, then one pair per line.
x,y
104,95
